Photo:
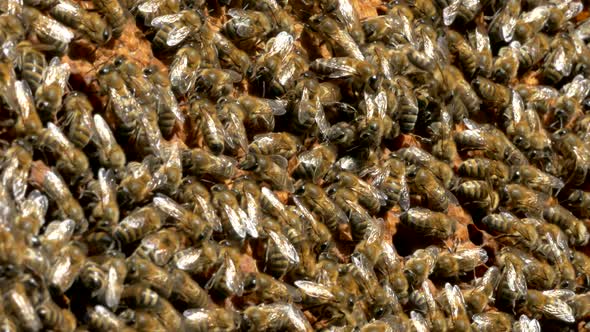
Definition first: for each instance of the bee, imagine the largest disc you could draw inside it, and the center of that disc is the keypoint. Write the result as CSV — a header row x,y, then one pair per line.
x,y
317,201
228,52
492,321
281,255
533,51
20,98
188,291
231,214
282,143
142,270
160,246
48,30
139,296
184,69
538,274
493,94
269,289
578,201
169,112
574,228
502,26
106,209
468,58
89,23
315,163
142,320
549,304
173,29
17,302
70,159
408,108
573,148
198,261
11,252
137,224
56,235
477,298
148,9
444,147
32,213
378,28
201,162
228,279
422,158
200,320
581,263
210,126
557,65
536,179
369,196
579,303
79,118
137,183
31,63
110,153
359,218
232,117
115,15
506,64
198,199
247,27
341,41
67,267
101,318
216,82
429,223
93,278
269,168
360,75
390,179
459,262
459,320
344,12
309,114
191,223
57,191
52,316
420,265
261,112
423,182
462,11
478,194
343,134
509,225
526,324
48,97
276,316
15,170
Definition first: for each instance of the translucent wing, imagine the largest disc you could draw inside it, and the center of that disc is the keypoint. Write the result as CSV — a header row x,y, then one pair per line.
x,y
281,44
106,182
57,231
35,206
24,98
525,324
54,29
514,279
450,12
180,76
187,259
272,198
320,117
169,207
150,6
338,67
285,247
239,138
278,107
57,134
304,210
314,289
365,268
104,135
297,318
347,13
235,220
57,72
177,35
456,301
251,219
160,21
561,62
171,101
114,288
559,309
153,134
209,213
419,322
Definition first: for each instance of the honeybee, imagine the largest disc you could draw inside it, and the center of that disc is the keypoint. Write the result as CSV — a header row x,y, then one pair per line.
x,y
198,199
282,143
579,304
15,170
478,194
211,319
32,212
275,316
557,63
318,202
209,125
425,301
538,274
459,320
101,318
139,295
167,168
191,223
345,13
269,168
114,13
420,265
169,112
506,223
550,304
368,196
143,270
201,162
137,224
506,64
137,182
502,26
574,228
48,30
247,27
57,190
89,23
478,297
281,255
341,41
106,209
359,74
142,320
269,289
429,223
315,163
492,321
31,63
79,118
229,53
459,262
29,120
56,235
228,279
578,155
261,112
217,83
482,168
577,202
378,28
148,9
422,158
70,159
492,94
48,97
52,316
424,182
468,58
17,303
67,267
110,153
184,68
536,179
188,291
232,116
359,218
198,261
232,215
533,50
173,29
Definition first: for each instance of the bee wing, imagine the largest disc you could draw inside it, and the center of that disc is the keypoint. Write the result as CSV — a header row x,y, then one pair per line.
x,y
281,44
58,231
376,173
209,213
53,28
320,118
285,247
187,259
562,62
271,197
278,107
251,218
297,318
153,133
347,14
235,126
58,135
570,9
56,72
104,136
366,269
105,183
490,277
413,152
304,210
430,301
114,288
450,12
198,317
578,88
177,35
180,76
171,101
160,21
228,272
314,289
419,322
526,324
456,301
280,161
538,15
515,279
149,7
559,309
168,206
235,220
24,99
35,205
472,256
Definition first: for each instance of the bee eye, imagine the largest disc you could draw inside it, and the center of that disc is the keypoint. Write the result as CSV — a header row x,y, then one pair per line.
x,y
118,62
324,246
534,154
373,126
106,35
379,312
517,175
104,71
518,139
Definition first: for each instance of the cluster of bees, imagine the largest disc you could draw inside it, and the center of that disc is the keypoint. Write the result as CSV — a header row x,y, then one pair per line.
x,y
297,165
